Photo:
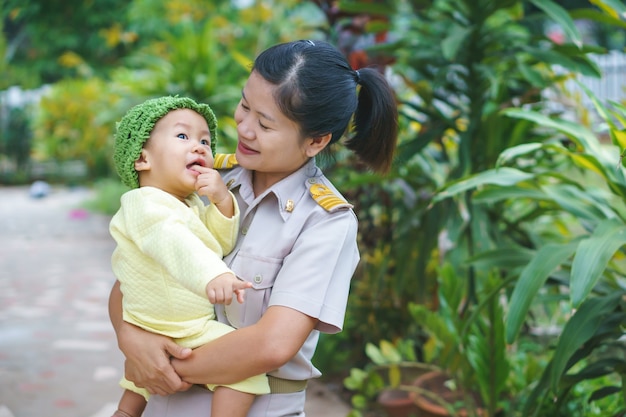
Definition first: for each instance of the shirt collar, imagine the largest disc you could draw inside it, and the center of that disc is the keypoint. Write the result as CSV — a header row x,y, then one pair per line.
x,y
288,192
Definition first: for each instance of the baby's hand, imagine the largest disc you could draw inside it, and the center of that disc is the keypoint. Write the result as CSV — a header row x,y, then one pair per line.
x,y
222,288
210,184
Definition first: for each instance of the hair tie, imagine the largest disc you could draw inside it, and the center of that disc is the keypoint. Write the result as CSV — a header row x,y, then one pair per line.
x,y
358,77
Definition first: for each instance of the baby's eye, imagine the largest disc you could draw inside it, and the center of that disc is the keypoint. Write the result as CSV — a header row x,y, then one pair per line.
x,y
206,142
182,136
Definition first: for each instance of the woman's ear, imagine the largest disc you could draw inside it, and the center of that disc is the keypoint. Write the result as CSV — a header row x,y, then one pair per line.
x,y
317,144
142,163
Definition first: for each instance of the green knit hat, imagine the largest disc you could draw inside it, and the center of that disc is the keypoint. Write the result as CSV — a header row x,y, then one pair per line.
x,y
135,127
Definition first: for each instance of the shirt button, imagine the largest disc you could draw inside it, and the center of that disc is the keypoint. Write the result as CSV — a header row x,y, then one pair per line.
x,y
258,278
312,180
244,230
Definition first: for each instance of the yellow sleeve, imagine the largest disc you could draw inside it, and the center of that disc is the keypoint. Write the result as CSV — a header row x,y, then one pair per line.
x,y
224,229
162,228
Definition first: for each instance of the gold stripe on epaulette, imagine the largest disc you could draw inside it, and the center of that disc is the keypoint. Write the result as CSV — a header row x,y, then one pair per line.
x,y
326,198
225,161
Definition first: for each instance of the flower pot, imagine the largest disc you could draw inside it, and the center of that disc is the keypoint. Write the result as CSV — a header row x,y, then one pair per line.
x,y
397,403
435,383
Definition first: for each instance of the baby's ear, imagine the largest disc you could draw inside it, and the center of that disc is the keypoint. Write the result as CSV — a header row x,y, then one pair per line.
x,y
142,163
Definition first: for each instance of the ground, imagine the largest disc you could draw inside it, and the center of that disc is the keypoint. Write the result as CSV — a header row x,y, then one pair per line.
x,y
58,354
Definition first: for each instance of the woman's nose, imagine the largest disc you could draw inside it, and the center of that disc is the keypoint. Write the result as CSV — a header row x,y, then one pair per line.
x,y
243,129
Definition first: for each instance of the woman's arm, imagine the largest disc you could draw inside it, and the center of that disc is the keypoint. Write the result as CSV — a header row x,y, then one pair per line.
x,y
276,337
147,354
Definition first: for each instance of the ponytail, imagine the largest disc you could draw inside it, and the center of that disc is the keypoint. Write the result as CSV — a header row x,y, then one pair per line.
x,y
375,121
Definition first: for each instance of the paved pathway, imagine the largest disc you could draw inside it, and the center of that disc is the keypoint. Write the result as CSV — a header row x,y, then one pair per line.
x,y
58,354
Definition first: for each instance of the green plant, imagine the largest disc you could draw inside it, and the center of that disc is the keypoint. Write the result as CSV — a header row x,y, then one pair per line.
x,y
392,366
53,40
16,135
461,64
569,181
457,64
71,124
465,66
468,343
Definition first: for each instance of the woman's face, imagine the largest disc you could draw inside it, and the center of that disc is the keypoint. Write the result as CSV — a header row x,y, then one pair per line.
x,y
270,144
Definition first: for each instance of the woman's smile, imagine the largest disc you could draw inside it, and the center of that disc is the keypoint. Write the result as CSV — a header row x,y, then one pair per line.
x,y
245,149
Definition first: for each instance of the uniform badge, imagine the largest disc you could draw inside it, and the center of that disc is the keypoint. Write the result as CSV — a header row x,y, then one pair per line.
x,y
326,198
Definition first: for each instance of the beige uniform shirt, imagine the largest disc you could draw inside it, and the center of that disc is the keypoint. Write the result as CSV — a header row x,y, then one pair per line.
x,y
295,252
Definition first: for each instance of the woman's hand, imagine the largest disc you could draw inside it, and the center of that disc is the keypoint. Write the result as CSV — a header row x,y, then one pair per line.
x,y
147,354
148,358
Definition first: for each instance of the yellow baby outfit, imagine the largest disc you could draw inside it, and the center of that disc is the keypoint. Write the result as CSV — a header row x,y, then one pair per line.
x,y
167,252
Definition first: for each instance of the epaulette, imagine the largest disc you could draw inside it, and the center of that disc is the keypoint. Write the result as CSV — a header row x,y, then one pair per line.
x,y
225,161
326,198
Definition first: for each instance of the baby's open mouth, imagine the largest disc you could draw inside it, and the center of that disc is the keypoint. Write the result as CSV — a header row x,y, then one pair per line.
x,y
193,164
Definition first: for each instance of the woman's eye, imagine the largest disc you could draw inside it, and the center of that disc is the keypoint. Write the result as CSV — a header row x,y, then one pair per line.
x,y
181,136
263,126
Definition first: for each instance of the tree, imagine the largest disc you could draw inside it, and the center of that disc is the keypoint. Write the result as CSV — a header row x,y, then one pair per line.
x,y
55,39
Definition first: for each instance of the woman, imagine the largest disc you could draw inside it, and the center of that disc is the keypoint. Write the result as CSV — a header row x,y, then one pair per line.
x,y
297,243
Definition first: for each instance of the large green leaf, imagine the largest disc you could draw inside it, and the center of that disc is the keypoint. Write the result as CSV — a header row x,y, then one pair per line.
x,y
514,152
590,163
453,42
594,156
506,258
610,117
578,133
547,259
499,176
597,369
578,330
597,16
615,8
592,256
618,111
560,16
533,76
556,56
365,7
495,194
578,202
486,349
595,160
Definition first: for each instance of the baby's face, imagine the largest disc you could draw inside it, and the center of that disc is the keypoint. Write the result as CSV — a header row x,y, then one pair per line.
x,y
179,145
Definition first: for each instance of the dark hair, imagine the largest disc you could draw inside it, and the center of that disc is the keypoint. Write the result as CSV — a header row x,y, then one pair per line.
x,y
316,88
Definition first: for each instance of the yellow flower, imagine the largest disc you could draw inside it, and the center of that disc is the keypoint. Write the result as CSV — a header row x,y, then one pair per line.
x,y
70,59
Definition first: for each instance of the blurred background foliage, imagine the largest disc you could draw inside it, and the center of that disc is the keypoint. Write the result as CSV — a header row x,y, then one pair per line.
x,y
472,80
